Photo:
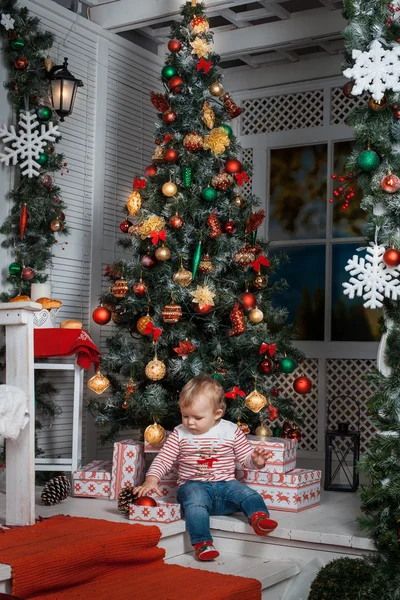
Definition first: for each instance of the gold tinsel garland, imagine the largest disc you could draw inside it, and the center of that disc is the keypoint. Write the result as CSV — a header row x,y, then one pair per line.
x,y
217,141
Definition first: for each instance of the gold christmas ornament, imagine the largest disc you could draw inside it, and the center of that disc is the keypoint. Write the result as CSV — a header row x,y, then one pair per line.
x,y
98,383
238,201
134,203
120,288
163,253
158,155
263,431
378,106
193,141
199,25
205,265
255,401
142,323
216,89
260,281
153,223
217,141
171,313
200,47
169,189
207,115
246,255
155,369
48,63
221,181
203,296
256,315
154,434
183,277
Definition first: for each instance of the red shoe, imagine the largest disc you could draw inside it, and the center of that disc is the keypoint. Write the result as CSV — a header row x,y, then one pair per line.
x,y
262,524
205,551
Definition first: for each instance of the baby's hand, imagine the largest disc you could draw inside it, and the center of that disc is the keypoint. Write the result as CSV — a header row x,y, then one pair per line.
x,y
260,455
150,485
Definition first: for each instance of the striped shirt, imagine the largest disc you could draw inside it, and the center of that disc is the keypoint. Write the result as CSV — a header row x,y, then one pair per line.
x,y
208,456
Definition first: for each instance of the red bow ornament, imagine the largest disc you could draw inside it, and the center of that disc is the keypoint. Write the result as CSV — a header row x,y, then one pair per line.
x,y
273,412
235,392
204,64
156,236
270,348
261,260
242,178
156,331
139,184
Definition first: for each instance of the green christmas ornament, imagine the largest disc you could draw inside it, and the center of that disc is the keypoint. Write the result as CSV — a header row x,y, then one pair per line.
x,y
209,194
15,268
253,237
44,113
43,159
168,71
186,177
228,130
287,364
18,43
196,260
218,377
276,431
368,160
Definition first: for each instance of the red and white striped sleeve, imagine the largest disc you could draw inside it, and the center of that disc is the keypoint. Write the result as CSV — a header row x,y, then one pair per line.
x,y
243,450
164,460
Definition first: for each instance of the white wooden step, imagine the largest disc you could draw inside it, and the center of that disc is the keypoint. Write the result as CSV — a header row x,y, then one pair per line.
x,y
268,572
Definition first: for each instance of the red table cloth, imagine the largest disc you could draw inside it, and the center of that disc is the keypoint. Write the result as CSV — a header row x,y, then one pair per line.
x,y
65,342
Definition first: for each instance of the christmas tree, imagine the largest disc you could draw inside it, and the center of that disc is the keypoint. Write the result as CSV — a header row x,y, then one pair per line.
x,y
196,295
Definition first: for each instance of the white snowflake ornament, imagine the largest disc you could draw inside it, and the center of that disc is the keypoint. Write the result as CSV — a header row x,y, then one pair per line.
x,y
371,278
375,71
27,143
7,22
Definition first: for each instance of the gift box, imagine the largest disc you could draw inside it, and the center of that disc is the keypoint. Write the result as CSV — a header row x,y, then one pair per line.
x,y
168,486
93,480
154,449
164,512
293,492
128,466
283,451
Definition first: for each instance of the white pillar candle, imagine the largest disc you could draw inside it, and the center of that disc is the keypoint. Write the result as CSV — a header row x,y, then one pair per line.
x,y
40,290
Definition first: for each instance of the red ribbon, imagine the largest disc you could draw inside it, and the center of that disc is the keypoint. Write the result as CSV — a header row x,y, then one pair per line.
x,y
261,260
235,392
139,184
156,331
158,235
207,461
242,178
204,64
270,348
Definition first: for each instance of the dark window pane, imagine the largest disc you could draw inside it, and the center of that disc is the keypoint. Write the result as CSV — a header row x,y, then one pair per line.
x,y
298,187
305,298
350,320
352,221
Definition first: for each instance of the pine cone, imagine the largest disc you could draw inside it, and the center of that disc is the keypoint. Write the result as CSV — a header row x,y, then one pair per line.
x,y
56,490
125,498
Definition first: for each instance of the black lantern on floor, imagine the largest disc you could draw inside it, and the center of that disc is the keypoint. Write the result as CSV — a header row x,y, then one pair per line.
x,y
63,89
342,447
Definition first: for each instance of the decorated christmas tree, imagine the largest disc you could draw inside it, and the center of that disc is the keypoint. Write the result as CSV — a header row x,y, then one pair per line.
x,y
196,296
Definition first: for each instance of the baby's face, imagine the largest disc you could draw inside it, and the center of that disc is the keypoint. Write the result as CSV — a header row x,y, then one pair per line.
x,y
200,416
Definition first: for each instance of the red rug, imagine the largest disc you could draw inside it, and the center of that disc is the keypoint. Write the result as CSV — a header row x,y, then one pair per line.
x,y
74,558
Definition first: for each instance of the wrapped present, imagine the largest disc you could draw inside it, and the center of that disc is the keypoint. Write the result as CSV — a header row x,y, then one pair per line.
x,y
93,480
295,491
168,486
284,452
154,449
164,512
128,466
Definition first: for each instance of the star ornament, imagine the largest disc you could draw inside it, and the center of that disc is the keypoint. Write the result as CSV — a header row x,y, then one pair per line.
x,y
202,296
200,47
7,22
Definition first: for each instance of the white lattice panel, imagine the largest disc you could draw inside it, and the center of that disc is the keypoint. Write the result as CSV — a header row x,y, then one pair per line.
x,y
342,106
307,405
348,378
283,113
247,157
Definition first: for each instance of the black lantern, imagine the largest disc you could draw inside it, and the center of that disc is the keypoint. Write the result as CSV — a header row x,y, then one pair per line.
x,y
63,89
342,448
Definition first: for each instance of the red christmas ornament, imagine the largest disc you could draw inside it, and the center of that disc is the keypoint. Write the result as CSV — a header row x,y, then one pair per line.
x,y
233,166
390,183
145,501
287,426
214,225
231,108
159,102
203,310
139,288
391,258
124,225
150,171
176,222
21,63
302,385
148,261
237,317
171,155
169,117
175,84
101,315
346,89
249,301
27,274
23,219
230,227
174,45
294,434
266,366
273,412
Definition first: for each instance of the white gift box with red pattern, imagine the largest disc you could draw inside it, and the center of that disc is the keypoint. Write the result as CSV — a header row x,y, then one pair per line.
x,y
128,466
283,451
168,486
164,512
295,491
93,480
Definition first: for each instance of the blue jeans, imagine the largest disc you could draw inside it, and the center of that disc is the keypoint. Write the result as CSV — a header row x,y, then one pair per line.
x,y
200,499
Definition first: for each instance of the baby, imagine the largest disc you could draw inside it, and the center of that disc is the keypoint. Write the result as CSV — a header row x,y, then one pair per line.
x,y
205,448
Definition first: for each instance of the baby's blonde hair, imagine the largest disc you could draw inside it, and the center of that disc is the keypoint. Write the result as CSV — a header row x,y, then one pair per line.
x,y
203,385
